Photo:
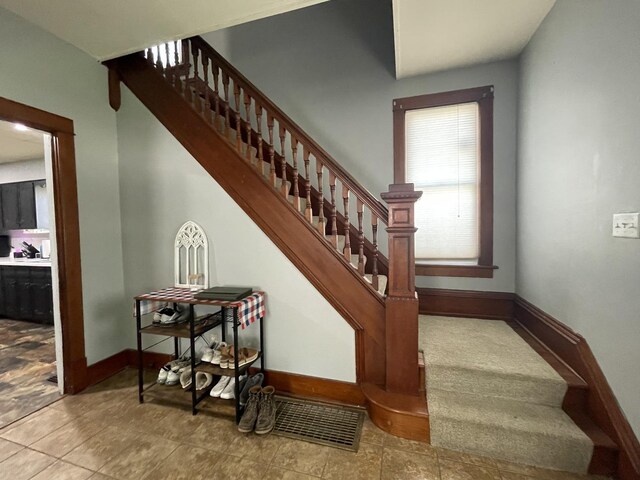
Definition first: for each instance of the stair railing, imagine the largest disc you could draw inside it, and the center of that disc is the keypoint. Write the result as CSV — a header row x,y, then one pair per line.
x,y
319,188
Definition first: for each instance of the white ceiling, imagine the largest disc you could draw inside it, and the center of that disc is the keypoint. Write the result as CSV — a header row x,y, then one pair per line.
x,y
111,28
435,35
18,145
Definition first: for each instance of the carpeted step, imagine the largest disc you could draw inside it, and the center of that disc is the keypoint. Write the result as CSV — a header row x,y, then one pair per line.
x,y
509,430
487,357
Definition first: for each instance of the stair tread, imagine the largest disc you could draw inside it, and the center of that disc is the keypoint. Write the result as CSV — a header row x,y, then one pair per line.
x,y
494,347
504,413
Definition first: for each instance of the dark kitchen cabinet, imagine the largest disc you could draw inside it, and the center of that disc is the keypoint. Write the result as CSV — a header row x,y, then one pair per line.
x,y
26,293
18,206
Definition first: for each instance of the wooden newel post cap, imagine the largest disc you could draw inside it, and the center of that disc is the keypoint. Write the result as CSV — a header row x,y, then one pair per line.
x,y
401,198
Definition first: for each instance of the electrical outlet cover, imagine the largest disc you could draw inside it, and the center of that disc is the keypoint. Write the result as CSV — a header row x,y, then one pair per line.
x,y
626,225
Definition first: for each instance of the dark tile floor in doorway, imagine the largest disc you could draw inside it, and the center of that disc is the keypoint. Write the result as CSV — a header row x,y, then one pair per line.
x,y
27,361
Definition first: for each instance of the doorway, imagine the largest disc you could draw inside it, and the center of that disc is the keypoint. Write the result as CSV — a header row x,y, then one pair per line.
x,y
63,247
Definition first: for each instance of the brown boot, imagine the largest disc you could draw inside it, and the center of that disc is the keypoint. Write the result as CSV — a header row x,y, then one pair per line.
x,y
267,416
250,414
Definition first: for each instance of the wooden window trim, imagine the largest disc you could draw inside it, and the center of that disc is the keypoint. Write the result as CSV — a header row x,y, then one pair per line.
x,y
484,97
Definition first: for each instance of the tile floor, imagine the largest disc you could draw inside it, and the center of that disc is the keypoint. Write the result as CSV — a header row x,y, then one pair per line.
x,y
27,360
105,434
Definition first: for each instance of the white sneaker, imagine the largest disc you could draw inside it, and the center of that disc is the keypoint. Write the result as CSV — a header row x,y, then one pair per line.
x,y
185,378
220,386
229,391
207,355
203,380
217,354
162,375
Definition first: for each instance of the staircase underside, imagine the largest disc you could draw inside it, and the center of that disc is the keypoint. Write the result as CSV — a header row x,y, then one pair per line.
x,y
491,394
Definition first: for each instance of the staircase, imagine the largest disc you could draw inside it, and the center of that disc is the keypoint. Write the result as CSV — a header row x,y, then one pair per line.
x,y
491,394
321,218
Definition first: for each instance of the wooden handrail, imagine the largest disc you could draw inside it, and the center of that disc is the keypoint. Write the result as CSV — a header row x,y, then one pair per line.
x,y
345,177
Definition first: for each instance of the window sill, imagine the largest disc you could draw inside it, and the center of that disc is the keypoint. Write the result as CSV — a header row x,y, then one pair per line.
x,y
455,270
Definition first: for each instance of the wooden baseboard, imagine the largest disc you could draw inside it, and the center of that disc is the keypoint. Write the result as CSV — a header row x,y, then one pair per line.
x,y
602,406
466,303
315,387
109,366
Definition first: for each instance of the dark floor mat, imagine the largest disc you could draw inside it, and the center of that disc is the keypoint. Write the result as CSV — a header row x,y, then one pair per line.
x,y
331,425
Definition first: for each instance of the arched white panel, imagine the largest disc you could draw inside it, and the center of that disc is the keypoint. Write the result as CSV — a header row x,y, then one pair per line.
x,y
191,257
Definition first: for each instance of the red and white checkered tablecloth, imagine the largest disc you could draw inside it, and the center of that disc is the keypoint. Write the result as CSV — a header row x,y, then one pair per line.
x,y
250,308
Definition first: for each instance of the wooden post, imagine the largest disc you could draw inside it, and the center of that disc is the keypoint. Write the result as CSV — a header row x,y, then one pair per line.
x,y
402,302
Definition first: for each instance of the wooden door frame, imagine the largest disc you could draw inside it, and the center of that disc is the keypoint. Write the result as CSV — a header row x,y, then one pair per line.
x,y
67,234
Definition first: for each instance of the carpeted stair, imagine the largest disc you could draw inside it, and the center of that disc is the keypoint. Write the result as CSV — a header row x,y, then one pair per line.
x,y
491,394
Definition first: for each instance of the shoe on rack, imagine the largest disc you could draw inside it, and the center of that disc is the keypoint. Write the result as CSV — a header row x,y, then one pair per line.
x,y
185,378
218,353
172,316
250,415
267,411
162,375
252,381
177,367
229,391
220,386
203,380
247,355
207,355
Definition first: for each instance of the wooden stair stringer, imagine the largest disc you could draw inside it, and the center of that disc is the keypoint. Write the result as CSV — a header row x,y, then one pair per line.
x,y
339,283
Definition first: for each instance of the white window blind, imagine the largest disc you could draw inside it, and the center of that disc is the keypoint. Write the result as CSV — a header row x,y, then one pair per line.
x,y
443,161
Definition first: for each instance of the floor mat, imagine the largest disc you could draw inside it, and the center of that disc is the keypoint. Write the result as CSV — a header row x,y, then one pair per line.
x,y
331,425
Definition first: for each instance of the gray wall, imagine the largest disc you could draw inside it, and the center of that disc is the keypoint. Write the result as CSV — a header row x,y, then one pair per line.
x,y
578,163
162,186
330,67
40,70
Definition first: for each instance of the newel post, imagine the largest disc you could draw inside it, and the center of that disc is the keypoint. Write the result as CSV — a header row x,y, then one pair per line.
x,y
401,302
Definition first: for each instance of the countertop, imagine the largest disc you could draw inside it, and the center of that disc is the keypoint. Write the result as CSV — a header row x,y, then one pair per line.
x,y
26,262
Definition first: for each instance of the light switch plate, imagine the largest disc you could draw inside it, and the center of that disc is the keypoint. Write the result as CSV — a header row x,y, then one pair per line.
x,y
626,225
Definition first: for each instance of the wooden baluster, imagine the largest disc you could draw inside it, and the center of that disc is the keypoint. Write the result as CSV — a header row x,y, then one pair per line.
x,y
217,118
207,101
334,210
236,96
360,239
347,237
167,63
187,81
272,153
195,86
374,268
177,80
283,163
322,228
296,187
260,162
149,56
247,109
225,86
159,65
308,212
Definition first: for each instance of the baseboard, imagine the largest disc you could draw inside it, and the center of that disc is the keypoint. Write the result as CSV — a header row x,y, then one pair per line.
x,y
315,387
602,406
466,303
117,362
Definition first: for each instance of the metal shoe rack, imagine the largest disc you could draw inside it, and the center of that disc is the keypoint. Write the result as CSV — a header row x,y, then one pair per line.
x,y
191,330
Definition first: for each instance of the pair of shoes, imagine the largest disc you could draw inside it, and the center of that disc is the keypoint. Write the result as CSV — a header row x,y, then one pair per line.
x,y
226,387
170,316
169,374
260,413
214,355
253,381
244,355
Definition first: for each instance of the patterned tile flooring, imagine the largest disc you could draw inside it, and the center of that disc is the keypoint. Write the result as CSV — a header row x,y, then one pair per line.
x,y
103,433
27,360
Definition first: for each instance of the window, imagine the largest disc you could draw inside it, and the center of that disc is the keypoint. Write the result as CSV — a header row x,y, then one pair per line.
x,y
443,144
